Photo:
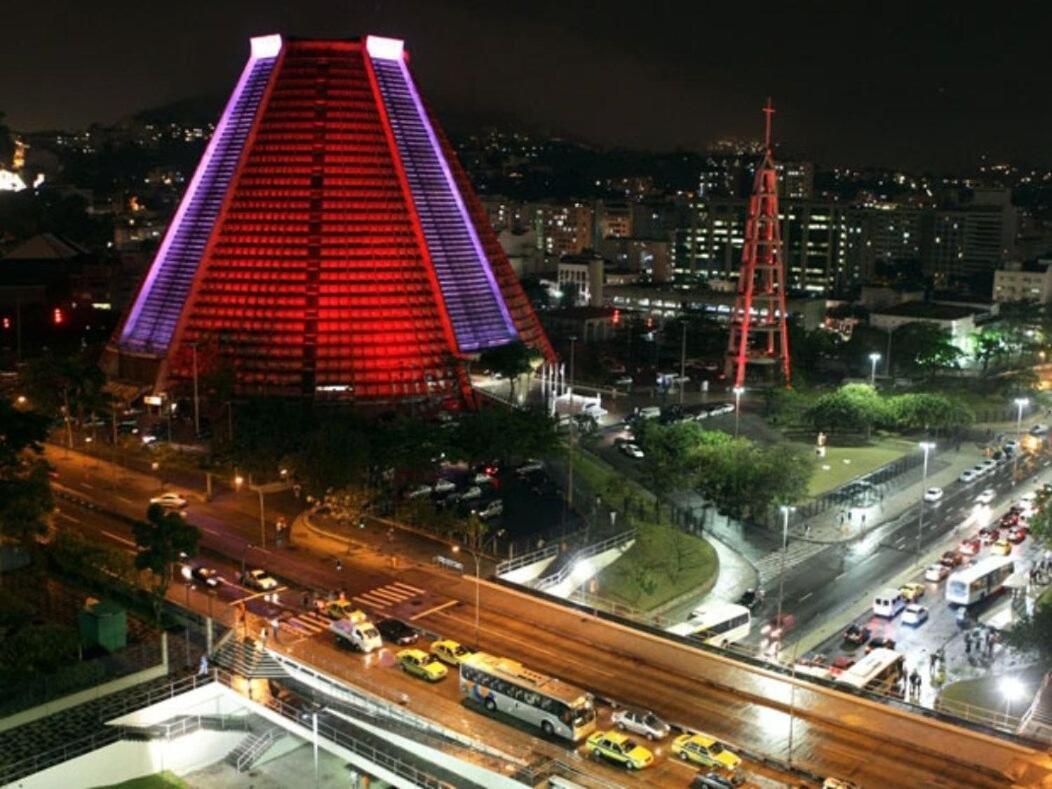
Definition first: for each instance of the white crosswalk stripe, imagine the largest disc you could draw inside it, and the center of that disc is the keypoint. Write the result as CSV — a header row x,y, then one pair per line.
x,y
308,622
388,595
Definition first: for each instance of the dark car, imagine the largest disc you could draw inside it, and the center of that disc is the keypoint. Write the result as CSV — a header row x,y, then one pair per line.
x,y
877,643
397,632
206,575
951,559
711,781
857,635
751,598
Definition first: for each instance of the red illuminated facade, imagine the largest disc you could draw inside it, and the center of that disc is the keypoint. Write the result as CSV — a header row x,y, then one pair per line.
x,y
758,331
329,245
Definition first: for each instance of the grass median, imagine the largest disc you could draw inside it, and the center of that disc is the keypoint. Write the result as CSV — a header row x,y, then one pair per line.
x,y
843,463
663,563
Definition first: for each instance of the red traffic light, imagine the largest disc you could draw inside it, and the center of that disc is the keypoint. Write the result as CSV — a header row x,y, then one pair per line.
x,y
58,317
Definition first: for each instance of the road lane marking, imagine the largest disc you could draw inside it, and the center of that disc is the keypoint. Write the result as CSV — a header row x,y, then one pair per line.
x,y
840,576
119,539
125,500
68,517
436,609
86,485
807,595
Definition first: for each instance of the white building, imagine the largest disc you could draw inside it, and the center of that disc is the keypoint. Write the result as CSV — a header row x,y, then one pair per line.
x,y
1019,282
958,321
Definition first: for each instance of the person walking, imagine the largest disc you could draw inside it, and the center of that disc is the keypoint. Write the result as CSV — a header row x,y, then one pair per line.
x,y
968,643
933,658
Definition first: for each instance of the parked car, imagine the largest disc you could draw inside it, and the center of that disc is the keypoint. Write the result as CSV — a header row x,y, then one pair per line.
x,y
711,781
444,486
397,632
420,664
641,722
988,465
624,380
1039,429
472,493
492,510
259,580
857,634
481,478
912,591
170,501
936,572
968,475
915,615
418,491
633,451
970,546
530,467
1011,447
933,494
986,496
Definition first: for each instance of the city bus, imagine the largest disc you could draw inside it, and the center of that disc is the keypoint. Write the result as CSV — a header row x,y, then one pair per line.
x,y
880,672
979,581
506,685
716,624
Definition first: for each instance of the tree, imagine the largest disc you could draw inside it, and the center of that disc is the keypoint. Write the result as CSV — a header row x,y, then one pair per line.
x,y
851,408
269,429
929,412
502,434
162,539
53,382
1033,634
512,360
25,489
924,348
671,454
1040,524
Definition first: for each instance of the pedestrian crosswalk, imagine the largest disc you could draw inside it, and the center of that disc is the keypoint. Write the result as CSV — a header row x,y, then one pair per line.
x,y
388,595
307,623
797,552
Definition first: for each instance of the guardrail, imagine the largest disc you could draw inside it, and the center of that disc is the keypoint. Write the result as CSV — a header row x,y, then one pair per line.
x,y
310,718
257,747
591,550
527,558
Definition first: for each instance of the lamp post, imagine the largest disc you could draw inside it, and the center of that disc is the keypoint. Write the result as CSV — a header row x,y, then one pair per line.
x,y
1012,689
478,572
738,392
927,446
786,511
873,359
1021,403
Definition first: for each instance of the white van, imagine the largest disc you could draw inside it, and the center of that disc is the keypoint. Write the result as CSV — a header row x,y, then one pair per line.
x,y
362,635
888,603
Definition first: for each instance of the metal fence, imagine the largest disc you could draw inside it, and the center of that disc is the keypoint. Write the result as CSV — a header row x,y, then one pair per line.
x,y
567,567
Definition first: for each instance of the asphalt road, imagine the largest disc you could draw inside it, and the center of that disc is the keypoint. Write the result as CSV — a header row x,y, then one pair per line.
x,y
745,707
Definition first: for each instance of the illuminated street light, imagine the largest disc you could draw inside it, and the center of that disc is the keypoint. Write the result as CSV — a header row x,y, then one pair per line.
x,y
738,392
21,400
238,481
1021,403
1012,689
927,446
873,358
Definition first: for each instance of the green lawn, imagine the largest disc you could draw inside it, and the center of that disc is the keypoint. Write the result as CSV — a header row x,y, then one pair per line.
x,y
164,780
846,463
662,564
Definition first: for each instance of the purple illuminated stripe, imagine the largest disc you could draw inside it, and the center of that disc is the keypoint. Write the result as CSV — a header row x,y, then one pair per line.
x,y
473,299
155,313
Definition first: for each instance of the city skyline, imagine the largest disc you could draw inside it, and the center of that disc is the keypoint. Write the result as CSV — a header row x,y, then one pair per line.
x,y
671,78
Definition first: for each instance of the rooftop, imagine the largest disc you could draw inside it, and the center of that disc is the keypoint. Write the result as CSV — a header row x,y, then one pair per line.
x,y
936,312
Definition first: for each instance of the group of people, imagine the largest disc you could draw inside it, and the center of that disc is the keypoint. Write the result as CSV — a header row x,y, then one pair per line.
x,y
980,641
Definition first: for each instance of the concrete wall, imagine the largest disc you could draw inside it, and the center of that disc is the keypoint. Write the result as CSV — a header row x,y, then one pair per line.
x,y
528,572
124,760
210,699
587,569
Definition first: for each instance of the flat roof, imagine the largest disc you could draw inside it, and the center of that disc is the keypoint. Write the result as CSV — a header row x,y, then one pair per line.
x,y
935,312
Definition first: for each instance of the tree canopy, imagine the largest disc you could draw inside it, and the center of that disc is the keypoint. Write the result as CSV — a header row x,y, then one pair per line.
x,y
25,489
163,538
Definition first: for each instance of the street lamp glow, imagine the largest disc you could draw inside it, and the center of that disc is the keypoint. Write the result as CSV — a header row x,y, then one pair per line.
x,y
21,400
1022,402
873,358
738,392
1011,688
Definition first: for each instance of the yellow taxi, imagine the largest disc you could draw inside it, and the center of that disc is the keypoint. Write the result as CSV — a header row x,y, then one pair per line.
x,y
703,749
421,664
1002,547
618,748
912,592
450,651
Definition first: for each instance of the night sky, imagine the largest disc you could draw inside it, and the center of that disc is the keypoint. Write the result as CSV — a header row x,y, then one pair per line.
x,y
921,84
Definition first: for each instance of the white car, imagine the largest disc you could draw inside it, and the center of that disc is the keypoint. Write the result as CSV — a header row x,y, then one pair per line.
x,y
1011,446
641,722
492,510
624,380
444,486
170,501
933,494
472,493
980,470
936,572
1039,430
530,467
258,579
986,496
482,478
989,464
968,475
915,615
418,491
633,451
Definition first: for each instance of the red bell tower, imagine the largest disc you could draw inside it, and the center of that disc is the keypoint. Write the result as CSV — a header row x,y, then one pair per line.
x,y
758,333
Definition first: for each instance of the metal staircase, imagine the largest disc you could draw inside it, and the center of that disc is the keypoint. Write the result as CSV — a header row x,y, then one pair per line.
x,y
248,659
251,749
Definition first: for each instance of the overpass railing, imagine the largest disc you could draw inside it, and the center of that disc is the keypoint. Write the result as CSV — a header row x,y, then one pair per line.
x,y
548,581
